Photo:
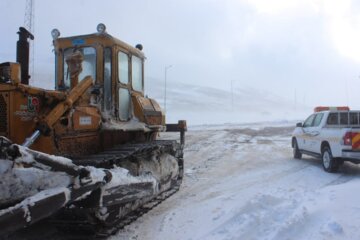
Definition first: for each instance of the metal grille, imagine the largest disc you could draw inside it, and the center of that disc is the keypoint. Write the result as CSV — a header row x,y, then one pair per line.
x,y
3,115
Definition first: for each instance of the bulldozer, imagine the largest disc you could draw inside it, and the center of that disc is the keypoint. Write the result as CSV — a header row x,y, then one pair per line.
x,y
86,155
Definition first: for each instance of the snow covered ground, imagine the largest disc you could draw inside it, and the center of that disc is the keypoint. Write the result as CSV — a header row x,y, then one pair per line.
x,y
241,182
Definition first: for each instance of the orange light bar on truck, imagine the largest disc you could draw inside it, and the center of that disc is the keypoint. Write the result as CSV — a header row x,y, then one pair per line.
x,y
322,108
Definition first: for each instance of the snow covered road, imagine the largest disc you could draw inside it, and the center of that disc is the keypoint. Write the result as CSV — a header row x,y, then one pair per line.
x,y
241,182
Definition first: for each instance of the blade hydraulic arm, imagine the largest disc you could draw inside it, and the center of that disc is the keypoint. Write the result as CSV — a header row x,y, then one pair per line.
x,y
45,124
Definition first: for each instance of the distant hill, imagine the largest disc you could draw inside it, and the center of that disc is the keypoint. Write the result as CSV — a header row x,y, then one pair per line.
x,y
207,105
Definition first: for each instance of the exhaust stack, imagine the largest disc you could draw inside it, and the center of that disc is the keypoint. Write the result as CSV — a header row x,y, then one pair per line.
x,y
22,53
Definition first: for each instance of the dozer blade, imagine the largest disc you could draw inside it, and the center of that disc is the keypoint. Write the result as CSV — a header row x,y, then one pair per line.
x,y
33,209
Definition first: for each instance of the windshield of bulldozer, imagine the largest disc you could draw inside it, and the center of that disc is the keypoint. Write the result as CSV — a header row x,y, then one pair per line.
x,y
88,64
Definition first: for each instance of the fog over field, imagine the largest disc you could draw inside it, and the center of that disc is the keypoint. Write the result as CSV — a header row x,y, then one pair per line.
x,y
208,105
289,54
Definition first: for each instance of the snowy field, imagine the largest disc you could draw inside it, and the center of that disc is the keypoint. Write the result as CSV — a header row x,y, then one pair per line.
x,y
241,182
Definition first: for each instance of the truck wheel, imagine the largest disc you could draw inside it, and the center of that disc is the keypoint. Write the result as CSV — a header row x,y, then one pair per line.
x,y
296,152
329,163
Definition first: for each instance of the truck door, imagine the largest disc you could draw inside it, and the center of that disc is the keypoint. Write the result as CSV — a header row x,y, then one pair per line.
x,y
313,133
304,137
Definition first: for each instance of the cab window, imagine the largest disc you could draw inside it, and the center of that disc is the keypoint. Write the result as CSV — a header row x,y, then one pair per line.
x,y
333,119
123,68
318,119
354,118
137,73
308,122
88,64
124,104
344,118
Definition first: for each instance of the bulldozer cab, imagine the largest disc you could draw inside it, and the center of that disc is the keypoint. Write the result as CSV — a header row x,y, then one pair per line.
x,y
116,68
98,100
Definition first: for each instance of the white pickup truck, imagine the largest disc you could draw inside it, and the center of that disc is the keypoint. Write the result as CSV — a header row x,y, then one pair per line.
x,y
332,133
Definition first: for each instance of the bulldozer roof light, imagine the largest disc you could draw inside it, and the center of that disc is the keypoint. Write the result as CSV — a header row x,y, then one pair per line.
x,y
323,108
55,34
139,46
101,28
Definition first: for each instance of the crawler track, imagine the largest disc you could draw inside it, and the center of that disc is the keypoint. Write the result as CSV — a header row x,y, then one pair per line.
x,y
81,227
87,230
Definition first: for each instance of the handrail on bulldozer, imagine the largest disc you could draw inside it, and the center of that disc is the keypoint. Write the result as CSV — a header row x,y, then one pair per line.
x,y
178,127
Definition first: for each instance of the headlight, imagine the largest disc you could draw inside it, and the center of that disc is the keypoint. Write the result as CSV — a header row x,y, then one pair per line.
x,y
101,28
55,34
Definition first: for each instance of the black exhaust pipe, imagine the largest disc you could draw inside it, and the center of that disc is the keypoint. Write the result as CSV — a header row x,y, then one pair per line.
x,y
22,53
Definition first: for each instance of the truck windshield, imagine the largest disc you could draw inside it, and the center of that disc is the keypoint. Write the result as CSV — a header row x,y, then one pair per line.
x,y
88,64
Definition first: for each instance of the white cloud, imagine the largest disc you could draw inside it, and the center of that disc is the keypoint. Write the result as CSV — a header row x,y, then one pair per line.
x,y
344,27
340,19
273,6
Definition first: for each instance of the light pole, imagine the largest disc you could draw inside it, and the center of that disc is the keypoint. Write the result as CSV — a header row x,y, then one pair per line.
x,y
232,81
166,68
232,96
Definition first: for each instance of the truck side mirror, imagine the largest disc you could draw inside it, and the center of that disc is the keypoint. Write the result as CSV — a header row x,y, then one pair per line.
x,y
299,124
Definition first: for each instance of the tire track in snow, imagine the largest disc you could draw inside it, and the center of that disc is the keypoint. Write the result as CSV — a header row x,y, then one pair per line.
x,y
235,190
281,213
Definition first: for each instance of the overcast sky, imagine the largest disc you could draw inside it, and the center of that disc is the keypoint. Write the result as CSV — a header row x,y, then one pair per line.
x,y
307,47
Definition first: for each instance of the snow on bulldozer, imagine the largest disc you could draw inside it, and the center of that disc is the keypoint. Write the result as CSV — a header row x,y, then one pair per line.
x,y
85,155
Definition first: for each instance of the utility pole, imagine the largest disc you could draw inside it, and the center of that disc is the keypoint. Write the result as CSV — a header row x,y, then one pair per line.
x,y
232,96
232,83
166,68
295,99
29,20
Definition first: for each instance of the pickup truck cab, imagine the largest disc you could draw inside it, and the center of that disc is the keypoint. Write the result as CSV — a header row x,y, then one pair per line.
x,y
331,133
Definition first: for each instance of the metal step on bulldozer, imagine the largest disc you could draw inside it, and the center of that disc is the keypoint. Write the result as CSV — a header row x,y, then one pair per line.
x,y
84,156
